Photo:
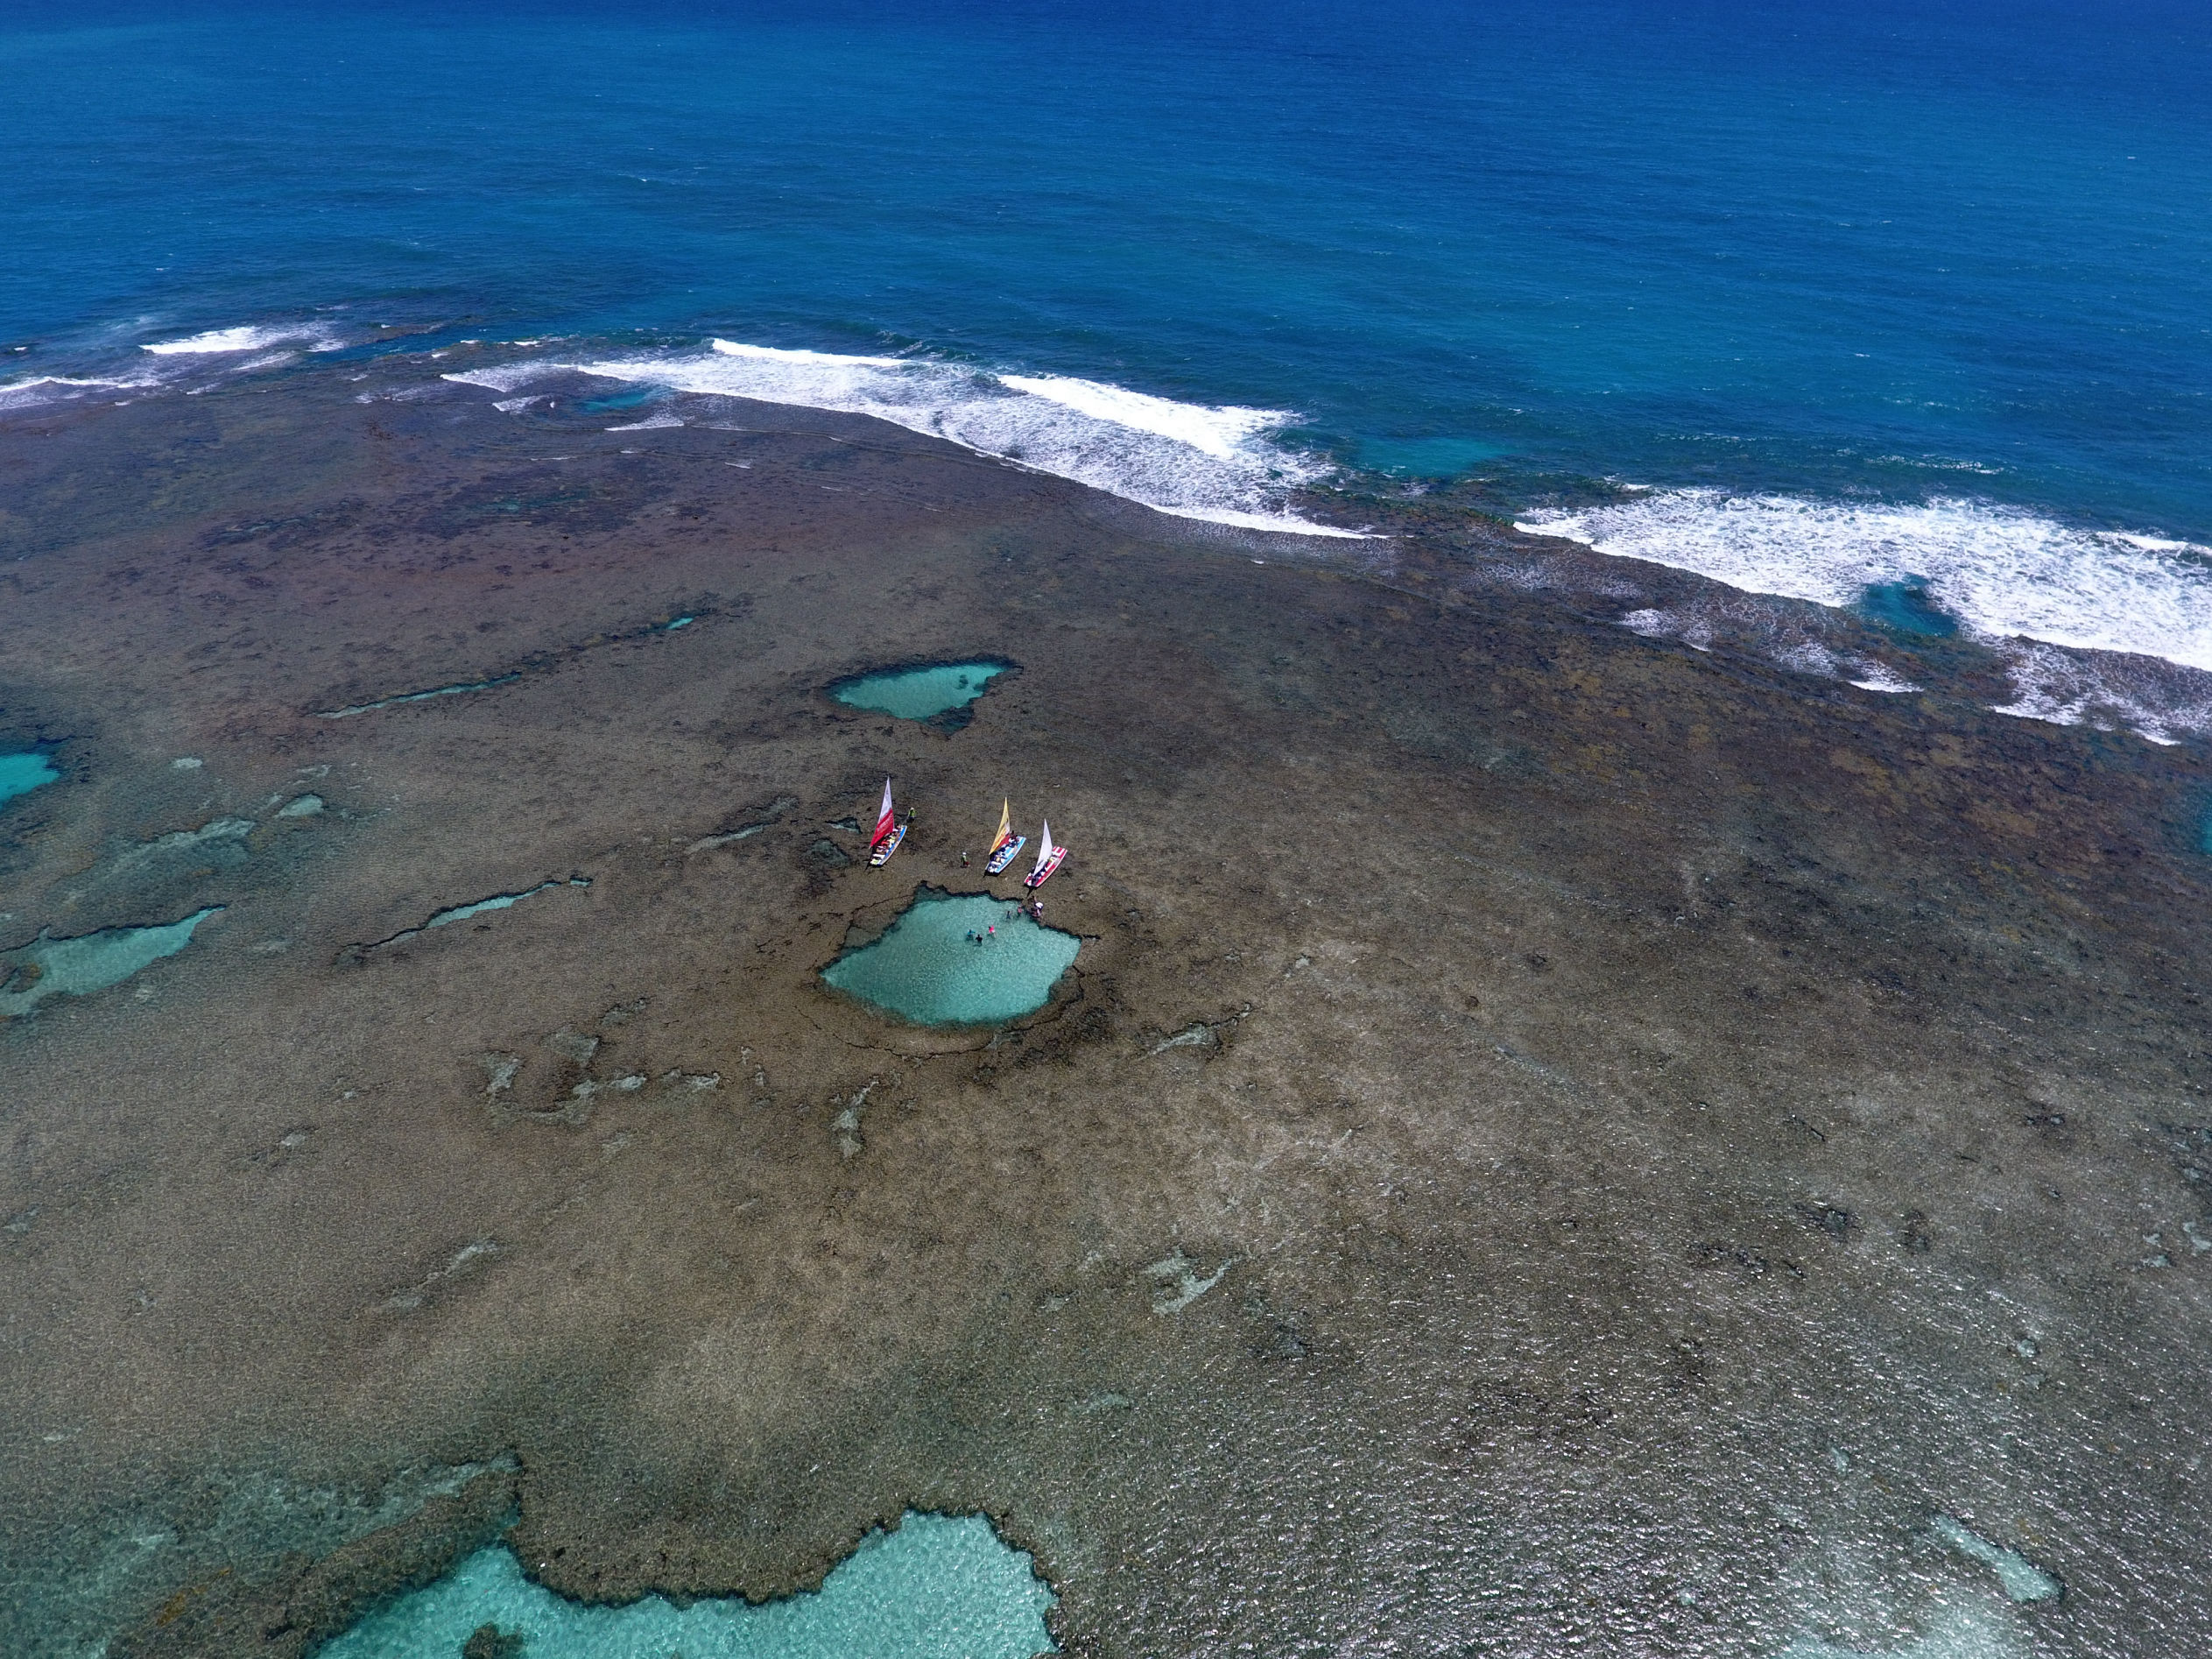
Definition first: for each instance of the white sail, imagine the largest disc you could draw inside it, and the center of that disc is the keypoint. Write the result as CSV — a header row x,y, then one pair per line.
x,y
1045,847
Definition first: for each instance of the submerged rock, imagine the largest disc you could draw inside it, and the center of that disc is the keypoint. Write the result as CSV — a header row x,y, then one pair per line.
x,y
490,1642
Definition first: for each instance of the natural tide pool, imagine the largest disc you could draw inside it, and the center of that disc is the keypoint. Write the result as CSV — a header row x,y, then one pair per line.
x,y
938,1588
21,774
937,691
91,962
927,969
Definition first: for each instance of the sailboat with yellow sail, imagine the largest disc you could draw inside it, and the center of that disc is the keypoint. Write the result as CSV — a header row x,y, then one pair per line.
x,y
1006,846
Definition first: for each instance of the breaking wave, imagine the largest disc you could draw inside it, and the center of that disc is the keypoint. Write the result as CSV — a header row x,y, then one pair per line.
x,y
89,369
59,388
245,337
1189,460
2002,572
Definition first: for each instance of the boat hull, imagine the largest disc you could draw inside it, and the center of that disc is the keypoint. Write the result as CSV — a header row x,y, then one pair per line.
x,y
1043,873
1007,852
880,855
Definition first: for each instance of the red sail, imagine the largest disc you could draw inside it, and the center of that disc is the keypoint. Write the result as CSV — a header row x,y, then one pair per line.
x,y
884,823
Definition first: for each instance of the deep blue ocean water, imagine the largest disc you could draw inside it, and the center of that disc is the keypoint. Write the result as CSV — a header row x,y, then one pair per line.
x,y
1952,258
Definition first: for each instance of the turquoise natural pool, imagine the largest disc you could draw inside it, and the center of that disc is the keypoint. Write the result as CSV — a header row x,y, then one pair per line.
x,y
926,970
21,774
938,1588
920,694
91,962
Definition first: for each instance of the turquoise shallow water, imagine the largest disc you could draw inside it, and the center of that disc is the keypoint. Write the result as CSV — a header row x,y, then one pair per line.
x,y
21,774
91,962
920,694
938,1588
926,970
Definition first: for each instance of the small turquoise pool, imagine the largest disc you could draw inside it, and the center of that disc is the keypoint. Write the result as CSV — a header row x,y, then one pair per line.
x,y
91,962
928,692
930,968
21,774
1907,607
938,1588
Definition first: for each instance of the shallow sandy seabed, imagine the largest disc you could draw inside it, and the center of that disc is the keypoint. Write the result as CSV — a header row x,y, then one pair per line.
x,y
1554,1142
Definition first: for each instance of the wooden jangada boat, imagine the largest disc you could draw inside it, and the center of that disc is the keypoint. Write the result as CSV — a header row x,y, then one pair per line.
x,y
889,832
1049,858
1006,846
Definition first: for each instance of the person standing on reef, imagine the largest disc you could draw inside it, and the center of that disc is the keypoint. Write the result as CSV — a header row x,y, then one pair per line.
x,y
963,858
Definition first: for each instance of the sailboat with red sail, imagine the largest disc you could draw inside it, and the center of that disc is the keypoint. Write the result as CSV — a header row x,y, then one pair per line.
x,y
889,832
1049,858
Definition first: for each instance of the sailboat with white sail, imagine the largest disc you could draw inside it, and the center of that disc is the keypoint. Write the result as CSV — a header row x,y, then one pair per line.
x,y
1049,858
889,832
1006,846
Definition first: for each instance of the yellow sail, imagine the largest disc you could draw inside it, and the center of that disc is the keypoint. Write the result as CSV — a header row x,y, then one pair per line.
x,y
1005,824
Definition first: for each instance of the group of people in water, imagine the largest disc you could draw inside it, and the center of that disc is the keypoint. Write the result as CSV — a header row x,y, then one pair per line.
x,y
1034,908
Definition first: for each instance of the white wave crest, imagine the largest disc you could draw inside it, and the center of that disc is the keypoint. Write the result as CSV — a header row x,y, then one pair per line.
x,y
1188,459
54,388
1220,433
505,378
2002,571
220,341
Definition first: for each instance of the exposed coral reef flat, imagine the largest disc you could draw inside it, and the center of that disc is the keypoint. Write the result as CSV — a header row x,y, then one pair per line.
x,y
1554,1140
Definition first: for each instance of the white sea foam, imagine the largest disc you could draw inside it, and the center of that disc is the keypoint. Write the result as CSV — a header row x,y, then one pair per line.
x,y
1749,621
55,388
651,423
2153,699
1219,433
1189,460
1878,678
506,376
218,341
787,355
2003,572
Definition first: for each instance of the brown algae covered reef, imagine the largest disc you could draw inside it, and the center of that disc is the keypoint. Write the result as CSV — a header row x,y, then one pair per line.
x,y
1555,1138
